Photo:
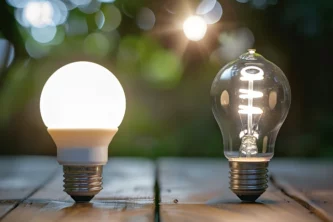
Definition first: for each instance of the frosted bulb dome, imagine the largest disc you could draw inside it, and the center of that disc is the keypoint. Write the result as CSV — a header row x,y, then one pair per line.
x,y
82,95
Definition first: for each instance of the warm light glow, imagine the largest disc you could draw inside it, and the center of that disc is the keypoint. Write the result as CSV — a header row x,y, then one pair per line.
x,y
195,28
82,95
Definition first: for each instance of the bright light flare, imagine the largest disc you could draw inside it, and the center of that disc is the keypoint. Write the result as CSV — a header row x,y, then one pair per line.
x,y
195,28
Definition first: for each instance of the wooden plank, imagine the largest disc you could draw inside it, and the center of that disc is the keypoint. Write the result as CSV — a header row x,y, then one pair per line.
x,y
6,206
123,179
20,177
197,190
68,211
127,195
308,181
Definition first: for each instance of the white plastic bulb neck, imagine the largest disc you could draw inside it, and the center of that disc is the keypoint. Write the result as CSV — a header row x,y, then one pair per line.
x,y
82,146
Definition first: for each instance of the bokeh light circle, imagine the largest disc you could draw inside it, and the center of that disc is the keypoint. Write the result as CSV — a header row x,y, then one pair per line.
x,y
60,12
214,15
44,35
233,44
163,69
205,6
112,18
36,50
145,19
76,25
80,2
39,14
90,8
99,19
96,44
7,54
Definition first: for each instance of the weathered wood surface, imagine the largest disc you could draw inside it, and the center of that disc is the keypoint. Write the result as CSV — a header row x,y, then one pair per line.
x,y
20,177
128,195
190,190
309,182
197,190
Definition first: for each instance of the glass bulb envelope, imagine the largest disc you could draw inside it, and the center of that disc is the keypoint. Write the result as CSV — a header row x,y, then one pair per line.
x,y
250,100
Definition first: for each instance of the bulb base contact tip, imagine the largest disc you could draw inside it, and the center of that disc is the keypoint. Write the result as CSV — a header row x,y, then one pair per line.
x,y
248,180
82,183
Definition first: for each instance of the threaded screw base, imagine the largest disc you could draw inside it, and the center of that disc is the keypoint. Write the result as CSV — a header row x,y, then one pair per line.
x,y
248,180
82,183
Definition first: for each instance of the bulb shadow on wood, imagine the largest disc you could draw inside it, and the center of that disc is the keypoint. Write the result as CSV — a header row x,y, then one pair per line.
x,y
229,200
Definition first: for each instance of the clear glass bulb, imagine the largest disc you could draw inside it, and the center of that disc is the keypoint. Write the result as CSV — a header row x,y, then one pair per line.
x,y
82,95
250,100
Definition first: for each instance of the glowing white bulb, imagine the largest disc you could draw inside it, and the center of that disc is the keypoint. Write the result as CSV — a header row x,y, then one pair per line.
x,y
39,13
195,28
82,104
82,95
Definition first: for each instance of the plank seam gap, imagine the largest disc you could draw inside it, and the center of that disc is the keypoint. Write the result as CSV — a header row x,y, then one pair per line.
x,y
157,195
303,203
44,183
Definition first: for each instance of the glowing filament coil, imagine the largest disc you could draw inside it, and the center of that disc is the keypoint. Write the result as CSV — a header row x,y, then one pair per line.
x,y
249,93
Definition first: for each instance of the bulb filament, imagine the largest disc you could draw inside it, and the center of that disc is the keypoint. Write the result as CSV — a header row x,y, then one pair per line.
x,y
249,138
250,94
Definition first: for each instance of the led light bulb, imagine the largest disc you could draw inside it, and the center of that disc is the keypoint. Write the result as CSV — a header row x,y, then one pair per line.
x,y
82,104
251,99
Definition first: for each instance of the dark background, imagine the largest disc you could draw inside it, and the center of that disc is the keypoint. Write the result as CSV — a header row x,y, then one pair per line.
x,y
167,78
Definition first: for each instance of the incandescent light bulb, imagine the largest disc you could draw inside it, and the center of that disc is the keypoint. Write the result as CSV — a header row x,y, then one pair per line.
x,y
250,101
82,104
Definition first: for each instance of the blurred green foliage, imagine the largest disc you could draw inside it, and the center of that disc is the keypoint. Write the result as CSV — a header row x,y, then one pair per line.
x,y
167,79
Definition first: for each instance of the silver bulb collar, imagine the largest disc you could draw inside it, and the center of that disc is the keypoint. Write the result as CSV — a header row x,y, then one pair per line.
x,y
248,180
82,183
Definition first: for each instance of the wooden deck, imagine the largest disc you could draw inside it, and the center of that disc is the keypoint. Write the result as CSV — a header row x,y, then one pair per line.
x,y
187,190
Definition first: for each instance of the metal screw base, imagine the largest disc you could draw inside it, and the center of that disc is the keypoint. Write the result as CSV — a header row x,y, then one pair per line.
x,y
248,180
82,183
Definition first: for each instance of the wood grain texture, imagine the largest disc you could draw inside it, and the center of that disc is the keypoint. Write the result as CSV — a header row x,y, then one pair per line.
x,y
123,179
20,177
308,181
127,195
54,211
197,190
6,206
